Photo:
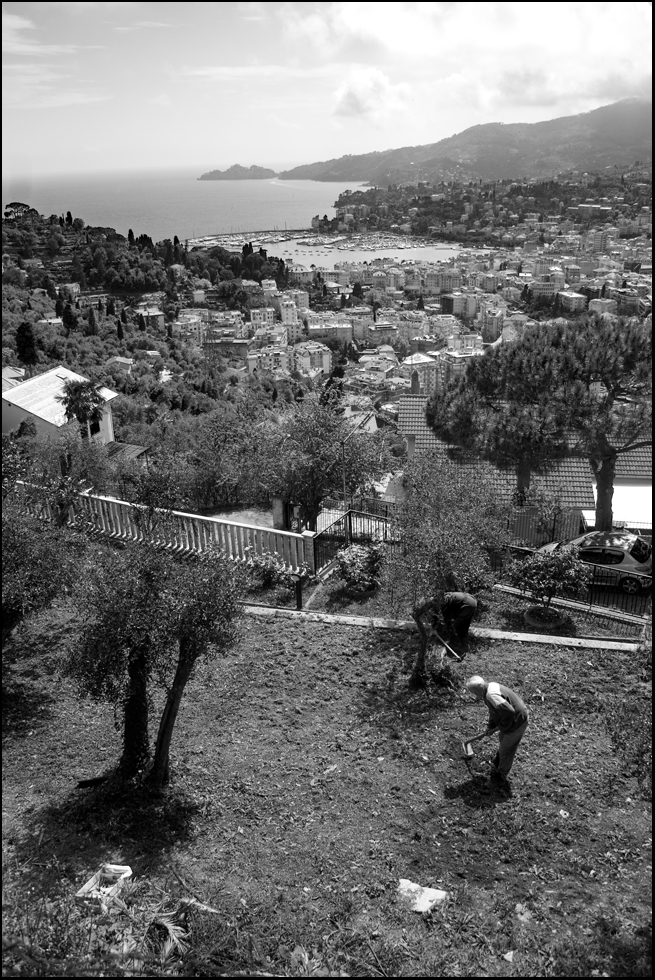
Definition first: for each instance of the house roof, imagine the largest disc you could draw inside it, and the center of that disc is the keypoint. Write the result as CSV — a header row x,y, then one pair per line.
x,y
569,478
40,395
635,465
124,451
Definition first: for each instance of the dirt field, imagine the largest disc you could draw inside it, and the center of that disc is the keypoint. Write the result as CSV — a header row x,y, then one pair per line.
x,y
307,780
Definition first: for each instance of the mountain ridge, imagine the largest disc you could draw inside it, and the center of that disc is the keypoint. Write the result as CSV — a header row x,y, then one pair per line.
x,y
618,133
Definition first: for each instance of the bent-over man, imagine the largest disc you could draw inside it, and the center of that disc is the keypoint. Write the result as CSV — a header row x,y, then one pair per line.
x,y
508,716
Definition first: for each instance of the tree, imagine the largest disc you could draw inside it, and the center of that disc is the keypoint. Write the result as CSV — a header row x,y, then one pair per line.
x,y
119,330
124,316
420,305
448,528
83,400
69,318
92,323
31,551
31,548
304,456
26,343
130,237
69,218
150,619
588,396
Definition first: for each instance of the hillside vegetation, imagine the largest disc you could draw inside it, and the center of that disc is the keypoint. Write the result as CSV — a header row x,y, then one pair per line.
x,y
616,134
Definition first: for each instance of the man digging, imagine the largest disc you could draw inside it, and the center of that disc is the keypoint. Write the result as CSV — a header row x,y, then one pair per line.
x,y
508,716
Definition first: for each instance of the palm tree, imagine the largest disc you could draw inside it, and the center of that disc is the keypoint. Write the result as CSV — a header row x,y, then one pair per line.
x,y
82,400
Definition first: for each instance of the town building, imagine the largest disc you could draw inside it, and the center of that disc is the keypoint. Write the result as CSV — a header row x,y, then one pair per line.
x,y
39,399
572,302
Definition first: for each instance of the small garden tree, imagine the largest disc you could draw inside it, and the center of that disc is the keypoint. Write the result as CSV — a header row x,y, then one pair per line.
x,y
447,529
304,456
549,574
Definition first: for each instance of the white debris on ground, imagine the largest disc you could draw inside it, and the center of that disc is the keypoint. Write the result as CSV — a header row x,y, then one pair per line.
x,y
420,899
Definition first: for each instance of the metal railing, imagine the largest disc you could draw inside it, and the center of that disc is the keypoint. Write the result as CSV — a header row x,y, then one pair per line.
x,y
368,505
353,527
606,587
179,532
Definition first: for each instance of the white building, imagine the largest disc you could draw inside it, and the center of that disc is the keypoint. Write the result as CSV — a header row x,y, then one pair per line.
x,y
311,358
38,399
264,317
273,359
572,302
425,367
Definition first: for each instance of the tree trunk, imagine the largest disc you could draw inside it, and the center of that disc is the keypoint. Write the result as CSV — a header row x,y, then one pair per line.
x,y
523,475
186,661
136,743
604,471
417,678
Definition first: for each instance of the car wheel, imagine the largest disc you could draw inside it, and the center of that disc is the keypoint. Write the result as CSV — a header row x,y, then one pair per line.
x,y
630,585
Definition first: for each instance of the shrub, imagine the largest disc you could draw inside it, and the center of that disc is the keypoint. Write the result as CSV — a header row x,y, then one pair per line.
x,y
268,569
550,574
360,566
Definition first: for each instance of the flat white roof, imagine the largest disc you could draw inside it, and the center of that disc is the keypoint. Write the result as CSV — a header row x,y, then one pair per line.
x,y
39,395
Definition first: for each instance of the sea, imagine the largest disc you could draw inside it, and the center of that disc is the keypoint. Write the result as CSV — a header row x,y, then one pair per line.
x,y
165,203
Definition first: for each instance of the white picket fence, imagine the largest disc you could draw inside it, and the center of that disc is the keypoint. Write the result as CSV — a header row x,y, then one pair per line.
x,y
185,533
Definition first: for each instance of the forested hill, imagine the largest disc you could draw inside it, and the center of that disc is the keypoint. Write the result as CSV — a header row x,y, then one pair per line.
x,y
614,134
237,172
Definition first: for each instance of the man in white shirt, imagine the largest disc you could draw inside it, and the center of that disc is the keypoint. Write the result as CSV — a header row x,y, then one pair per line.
x,y
508,716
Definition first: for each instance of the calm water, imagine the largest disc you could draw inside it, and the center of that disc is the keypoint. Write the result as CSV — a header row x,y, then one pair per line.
x,y
166,203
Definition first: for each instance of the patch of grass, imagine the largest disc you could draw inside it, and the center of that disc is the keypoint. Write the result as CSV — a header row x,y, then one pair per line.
x,y
307,780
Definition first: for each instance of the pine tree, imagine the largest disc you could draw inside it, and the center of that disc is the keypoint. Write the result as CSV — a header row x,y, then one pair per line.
x,y
119,330
576,389
26,343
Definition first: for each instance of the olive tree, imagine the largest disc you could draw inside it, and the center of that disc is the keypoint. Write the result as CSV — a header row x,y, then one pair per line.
x,y
149,619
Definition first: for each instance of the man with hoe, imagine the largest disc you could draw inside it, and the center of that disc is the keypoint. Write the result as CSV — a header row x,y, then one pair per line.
x,y
508,716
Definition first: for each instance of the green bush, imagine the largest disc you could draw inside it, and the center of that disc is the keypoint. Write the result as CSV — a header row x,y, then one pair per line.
x,y
268,569
360,566
549,574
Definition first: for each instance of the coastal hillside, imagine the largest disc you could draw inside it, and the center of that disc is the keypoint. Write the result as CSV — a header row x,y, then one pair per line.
x,y
614,134
237,172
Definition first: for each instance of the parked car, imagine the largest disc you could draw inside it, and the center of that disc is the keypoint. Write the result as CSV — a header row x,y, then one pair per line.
x,y
620,558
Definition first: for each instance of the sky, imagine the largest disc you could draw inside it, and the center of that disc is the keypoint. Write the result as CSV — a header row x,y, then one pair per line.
x,y
93,87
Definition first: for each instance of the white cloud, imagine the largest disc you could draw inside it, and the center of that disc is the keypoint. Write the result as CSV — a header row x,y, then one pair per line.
x,y
252,11
141,25
15,42
368,92
45,86
163,100
228,72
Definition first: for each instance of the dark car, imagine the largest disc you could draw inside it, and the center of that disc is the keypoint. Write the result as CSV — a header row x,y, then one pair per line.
x,y
620,558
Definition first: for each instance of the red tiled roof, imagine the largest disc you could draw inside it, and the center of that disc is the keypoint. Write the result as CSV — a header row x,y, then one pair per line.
x,y
636,465
570,478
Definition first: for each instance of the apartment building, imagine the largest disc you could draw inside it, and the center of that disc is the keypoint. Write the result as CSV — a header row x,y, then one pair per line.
x,y
452,362
312,359
424,366
571,301
273,359
264,317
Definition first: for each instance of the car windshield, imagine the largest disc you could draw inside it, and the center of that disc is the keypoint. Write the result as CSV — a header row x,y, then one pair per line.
x,y
641,551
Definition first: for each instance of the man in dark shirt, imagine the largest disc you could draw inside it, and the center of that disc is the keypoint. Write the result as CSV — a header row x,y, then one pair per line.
x,y
508,716
458,609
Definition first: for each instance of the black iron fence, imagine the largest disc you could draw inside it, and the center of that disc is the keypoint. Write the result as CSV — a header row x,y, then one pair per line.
x,y
627,592
353,527
367,505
